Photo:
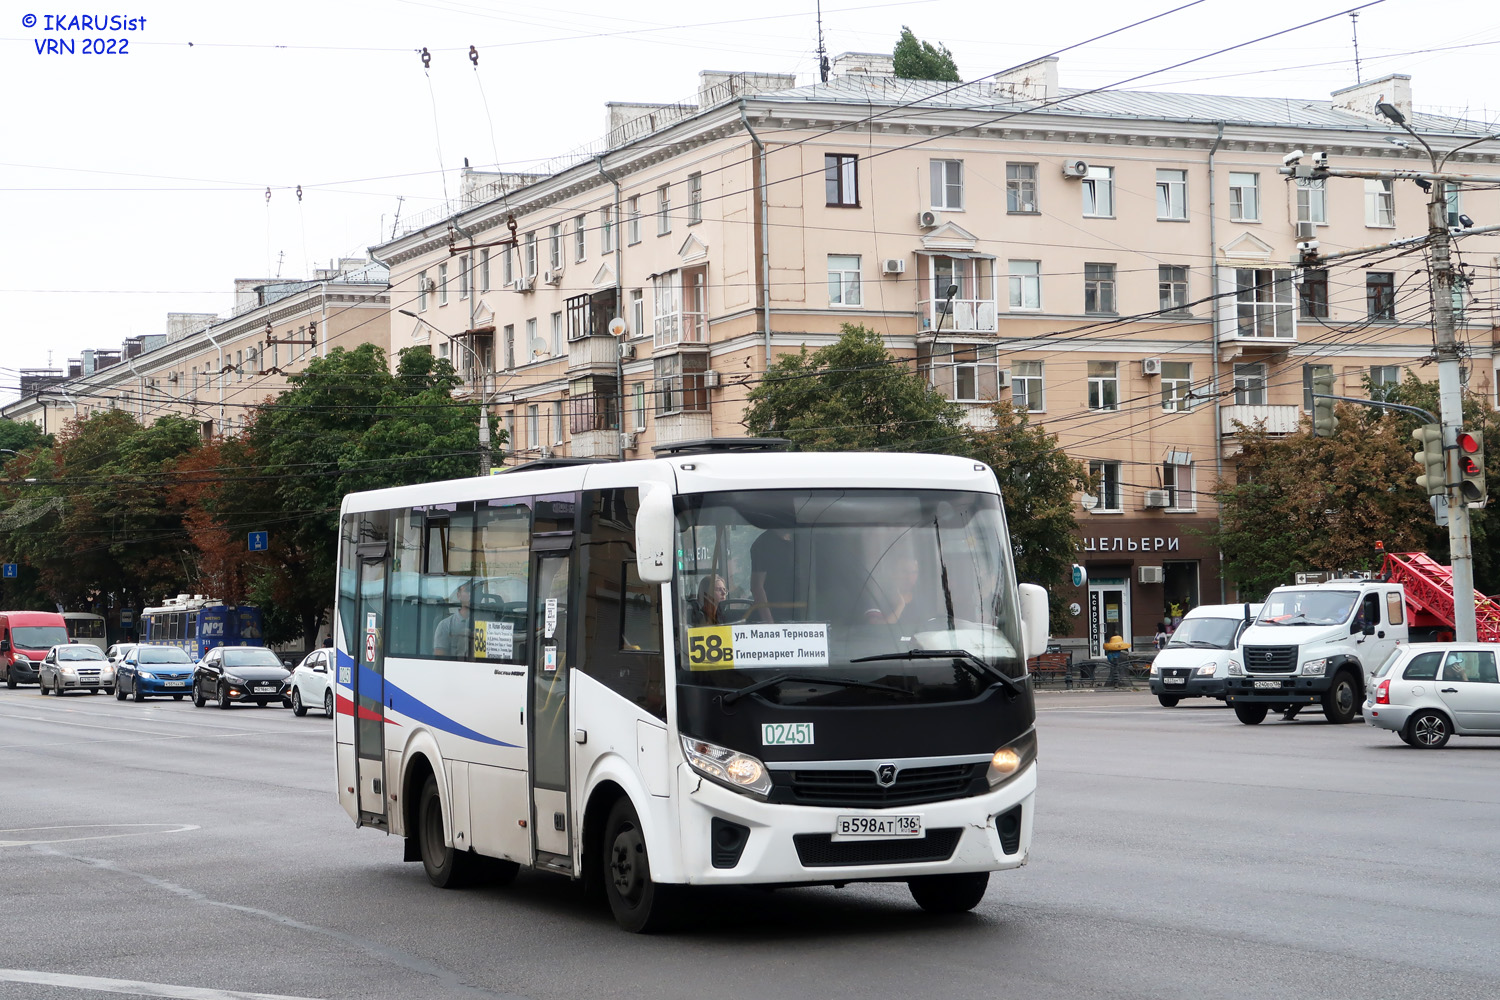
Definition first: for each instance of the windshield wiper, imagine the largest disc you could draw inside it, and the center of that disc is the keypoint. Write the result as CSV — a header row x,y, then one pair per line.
x,y
775,679
975,664
1196,644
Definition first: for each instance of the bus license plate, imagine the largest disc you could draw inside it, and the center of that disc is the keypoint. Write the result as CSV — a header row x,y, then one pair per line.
x,y
877,827
1175,680
1272,685
174,684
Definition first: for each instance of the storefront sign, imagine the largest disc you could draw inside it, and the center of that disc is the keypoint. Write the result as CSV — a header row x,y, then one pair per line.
x,y
1120,543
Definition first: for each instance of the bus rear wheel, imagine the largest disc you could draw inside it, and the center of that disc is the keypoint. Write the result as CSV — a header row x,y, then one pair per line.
x,y
639,904
956,893
446,868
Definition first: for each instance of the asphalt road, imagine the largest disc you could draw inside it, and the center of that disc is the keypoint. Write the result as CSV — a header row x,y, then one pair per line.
x,y
162,850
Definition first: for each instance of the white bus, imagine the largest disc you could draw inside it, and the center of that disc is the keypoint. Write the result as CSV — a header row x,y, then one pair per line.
x,y
84,626
719,666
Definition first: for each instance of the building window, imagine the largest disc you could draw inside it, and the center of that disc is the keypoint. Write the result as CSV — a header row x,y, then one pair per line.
x,y
1263,302
1104,385
1099,288
680,384
1177,480
580,247
1312,295
1172,289
695,199
510,346
1027,390
463,277
1312,200
442,284
964,373
1384,378
484,270
554,247
1380,203
1451,192
1099,193
1176,386
843,280
508,266
607,229
637,312
633,219
1171,195
664,210
1380,294
422,284
1026,284
667,302
841,180
1244,197
638,408
1020,188
535,346
533,426
947,185
1107,493
593,405
557,334
1250,384
530,258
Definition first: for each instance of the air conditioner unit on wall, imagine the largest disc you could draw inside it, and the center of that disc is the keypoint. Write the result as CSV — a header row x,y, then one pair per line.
x,y
1002,378
627,442
1151,366
893,265
627,351
927,220
525,284
1149,574
1075,168
1157,498
552,277
711,379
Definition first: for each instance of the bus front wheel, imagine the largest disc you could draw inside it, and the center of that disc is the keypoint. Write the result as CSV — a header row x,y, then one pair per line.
x,y
446,868
640,905
955,893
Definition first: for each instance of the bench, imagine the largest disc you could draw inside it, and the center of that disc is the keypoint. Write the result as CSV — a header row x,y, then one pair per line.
x,y
1052,666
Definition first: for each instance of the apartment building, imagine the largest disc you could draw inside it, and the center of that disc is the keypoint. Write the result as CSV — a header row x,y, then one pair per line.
x,y
1122,265
217,370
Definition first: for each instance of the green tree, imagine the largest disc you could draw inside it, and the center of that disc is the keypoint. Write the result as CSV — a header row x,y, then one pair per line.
x,y
916,60
21,435
853,395
1038,484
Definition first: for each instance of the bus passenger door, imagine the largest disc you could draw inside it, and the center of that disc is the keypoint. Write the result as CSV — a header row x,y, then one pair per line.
x,y
369,686
548,712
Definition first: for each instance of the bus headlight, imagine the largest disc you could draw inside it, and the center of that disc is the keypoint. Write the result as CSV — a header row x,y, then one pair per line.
x,y
1011,759
1155,670
1235,670
1207,670
736,770
1314,668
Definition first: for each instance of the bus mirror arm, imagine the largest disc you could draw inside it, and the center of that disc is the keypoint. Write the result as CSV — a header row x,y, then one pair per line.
x,y
1034,620
653,534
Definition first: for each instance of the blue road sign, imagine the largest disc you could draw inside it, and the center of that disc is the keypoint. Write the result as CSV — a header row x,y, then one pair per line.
x,y
126,616
11,571
259,541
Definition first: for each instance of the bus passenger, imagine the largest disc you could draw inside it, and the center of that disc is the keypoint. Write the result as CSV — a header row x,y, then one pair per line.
x,y
772,583
453,634
711,593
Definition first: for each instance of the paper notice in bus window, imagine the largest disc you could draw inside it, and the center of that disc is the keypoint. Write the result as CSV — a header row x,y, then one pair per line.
x,y
494,640
550,626
710,647
794,645
549,658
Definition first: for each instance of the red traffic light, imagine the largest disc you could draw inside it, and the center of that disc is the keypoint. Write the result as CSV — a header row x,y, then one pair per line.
x,y
1467,443
1468,466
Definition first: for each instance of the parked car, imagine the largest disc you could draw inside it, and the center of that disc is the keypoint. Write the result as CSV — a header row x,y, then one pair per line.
x,y
152,670
25,638
228,674
1431,692
1195,662
75,666
116,654
309,682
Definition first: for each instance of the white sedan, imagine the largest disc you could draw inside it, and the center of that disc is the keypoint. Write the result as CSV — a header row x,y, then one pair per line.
x,y
309,682
1429,693
76,666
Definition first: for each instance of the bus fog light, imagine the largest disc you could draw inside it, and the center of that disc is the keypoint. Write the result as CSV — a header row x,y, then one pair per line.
x,y
730,768
1011,759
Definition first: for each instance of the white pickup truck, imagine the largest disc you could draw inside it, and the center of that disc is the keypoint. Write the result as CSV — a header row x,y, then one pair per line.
x,y
1315,645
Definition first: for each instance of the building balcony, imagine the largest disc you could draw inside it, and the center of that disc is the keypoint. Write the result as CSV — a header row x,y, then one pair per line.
x,y
958,316
1278,419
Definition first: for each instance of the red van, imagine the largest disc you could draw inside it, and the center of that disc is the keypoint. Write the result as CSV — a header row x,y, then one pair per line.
x,y
25,638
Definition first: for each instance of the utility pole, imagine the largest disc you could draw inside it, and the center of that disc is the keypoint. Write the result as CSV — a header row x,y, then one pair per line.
x,y
1446,347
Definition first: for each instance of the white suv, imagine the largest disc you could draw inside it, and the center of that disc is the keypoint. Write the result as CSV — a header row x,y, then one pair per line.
x,y
1431,692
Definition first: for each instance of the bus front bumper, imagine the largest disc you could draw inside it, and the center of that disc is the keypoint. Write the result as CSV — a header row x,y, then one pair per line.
x,y
792,844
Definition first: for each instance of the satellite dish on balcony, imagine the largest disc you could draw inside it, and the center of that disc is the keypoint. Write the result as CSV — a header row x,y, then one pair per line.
x,y
617,327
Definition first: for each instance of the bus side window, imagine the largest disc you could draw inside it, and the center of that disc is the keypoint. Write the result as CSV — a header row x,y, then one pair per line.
x,y
622,616
502,573
404,630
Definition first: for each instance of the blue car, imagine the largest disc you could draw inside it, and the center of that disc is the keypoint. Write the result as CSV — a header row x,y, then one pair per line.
x,y
154,670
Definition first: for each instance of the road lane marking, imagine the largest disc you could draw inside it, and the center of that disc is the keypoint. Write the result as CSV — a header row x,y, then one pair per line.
x,y
153,828
134,987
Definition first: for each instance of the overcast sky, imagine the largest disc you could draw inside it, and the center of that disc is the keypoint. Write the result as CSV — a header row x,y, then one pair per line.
x,y
135,185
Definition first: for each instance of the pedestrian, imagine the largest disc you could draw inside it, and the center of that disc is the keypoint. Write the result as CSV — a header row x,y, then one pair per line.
x,y
1161,635
1114,651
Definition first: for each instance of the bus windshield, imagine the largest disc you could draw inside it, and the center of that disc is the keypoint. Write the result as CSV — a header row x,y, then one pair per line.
x,y
1205,633
808,583
38,636
1307,607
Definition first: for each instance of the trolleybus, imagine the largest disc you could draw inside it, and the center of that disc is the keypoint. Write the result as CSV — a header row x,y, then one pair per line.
x,y
197,624
718,666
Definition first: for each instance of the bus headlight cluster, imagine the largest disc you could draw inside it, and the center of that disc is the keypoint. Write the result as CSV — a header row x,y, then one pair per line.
x,y
1207,670
1156,670
1011,759
1314,668
736,770
1235,670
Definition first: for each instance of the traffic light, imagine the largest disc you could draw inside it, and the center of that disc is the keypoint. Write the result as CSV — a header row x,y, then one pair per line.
x,y
1324,422
1471,466
1430,458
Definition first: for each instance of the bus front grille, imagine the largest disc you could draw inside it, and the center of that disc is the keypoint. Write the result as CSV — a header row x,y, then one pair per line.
x,y
861,789
820,850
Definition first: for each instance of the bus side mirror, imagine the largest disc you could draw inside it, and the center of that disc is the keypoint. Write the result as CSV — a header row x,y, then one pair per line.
x,y
654,525
1034,620
4,645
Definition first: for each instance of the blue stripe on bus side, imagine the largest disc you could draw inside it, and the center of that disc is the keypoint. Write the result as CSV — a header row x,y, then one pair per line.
x,y
419,711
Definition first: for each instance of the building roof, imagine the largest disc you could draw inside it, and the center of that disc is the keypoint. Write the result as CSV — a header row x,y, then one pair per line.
x,y
1126,104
